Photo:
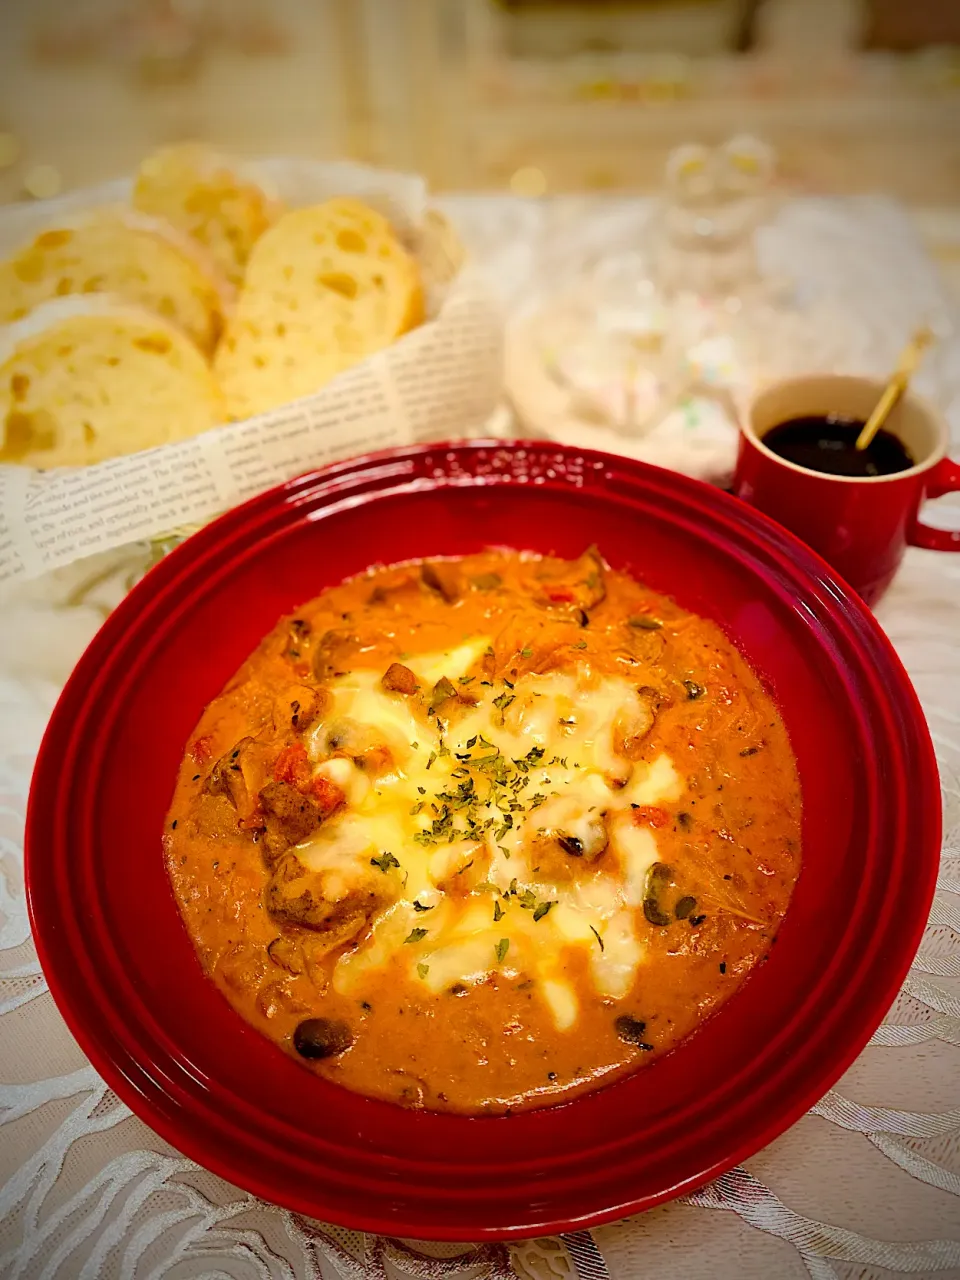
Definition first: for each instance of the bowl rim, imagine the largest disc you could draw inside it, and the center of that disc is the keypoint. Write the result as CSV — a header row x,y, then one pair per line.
x,y
390,464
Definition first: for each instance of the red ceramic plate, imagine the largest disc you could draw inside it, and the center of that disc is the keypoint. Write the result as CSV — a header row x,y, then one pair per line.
x,y
122,968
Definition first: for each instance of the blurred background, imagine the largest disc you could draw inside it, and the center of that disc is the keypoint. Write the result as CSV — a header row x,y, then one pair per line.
x,y
530,96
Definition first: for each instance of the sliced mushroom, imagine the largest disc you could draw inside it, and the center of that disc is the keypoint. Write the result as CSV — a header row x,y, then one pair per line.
x,y
588,841
358,742
594,578
336,652
343,736
633,724
653,909
286,954
226,777
684,907
654,698
374,760
571,844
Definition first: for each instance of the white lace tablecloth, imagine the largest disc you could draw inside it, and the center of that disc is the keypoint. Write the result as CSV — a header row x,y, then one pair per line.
x,y
867,1185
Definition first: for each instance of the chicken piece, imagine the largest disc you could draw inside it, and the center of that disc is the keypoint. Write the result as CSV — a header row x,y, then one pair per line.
x,y
214,817
239,775
296,707
289,816
444,578
332,904
399,679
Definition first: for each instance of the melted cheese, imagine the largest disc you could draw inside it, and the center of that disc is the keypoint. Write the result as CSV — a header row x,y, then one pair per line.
x,y
636,849
561,1001
556,733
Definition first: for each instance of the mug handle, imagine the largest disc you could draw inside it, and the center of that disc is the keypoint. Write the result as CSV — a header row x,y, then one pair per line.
x,y
944,478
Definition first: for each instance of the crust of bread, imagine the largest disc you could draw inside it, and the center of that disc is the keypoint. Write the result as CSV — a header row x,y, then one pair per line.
x,y
119,252
83,379
208,196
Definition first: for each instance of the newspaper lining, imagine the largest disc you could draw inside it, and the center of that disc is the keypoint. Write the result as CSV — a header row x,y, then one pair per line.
x,y
440,381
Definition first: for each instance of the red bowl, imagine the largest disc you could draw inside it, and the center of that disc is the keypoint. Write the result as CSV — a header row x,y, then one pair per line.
x,y
122,968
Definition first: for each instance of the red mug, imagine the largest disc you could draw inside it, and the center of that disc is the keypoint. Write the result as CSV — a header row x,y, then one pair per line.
x,y
861,526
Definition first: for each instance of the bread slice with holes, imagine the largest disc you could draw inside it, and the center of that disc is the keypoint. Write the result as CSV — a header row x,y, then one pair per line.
x,y
86,379
326,287
127,255
207,196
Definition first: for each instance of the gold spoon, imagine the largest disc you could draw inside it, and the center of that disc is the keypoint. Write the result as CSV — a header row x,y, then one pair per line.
x,y
907,365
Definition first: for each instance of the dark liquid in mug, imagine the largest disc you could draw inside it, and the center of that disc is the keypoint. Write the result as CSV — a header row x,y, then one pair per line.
x,y
826,444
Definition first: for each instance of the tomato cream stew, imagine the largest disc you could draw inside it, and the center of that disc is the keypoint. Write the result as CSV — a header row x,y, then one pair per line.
x,y
475,835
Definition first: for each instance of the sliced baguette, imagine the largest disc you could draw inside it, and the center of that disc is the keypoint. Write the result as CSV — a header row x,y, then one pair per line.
x,y
207,196
325,287
86,379
125,254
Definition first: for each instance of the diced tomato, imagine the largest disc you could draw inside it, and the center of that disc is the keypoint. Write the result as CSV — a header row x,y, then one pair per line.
x,y
327,795
200,752
293,766
649,815
561,595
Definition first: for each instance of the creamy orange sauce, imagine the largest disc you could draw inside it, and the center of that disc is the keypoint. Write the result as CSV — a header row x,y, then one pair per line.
x,y
476,835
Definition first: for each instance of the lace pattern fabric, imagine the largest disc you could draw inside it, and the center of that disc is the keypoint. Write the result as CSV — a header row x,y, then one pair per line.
x,y
866,1186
